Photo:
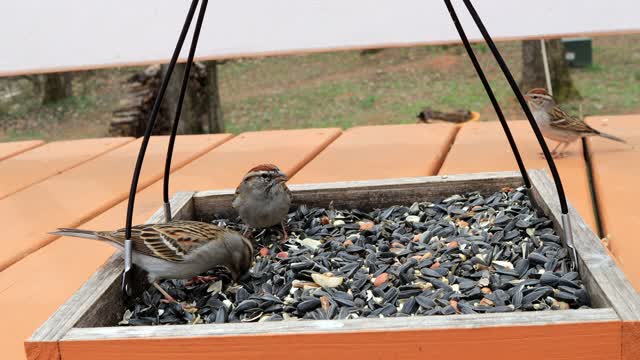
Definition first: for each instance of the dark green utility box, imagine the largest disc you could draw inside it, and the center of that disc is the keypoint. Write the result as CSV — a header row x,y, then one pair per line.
x,y
577,51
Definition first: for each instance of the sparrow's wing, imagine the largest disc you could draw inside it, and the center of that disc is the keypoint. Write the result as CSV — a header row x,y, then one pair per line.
x,y
563,121
189,235
170,241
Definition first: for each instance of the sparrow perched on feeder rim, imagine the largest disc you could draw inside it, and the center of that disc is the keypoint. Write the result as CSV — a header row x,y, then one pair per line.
x,y
263,199
556,124
178,249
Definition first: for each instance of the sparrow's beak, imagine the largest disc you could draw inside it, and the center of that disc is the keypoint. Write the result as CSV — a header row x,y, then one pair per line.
x,y
526,97
282,177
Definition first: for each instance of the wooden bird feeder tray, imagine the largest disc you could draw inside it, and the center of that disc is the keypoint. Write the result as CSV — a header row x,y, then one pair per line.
x,y
610,330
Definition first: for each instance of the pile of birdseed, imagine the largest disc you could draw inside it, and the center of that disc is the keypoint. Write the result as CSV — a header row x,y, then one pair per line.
x,y
463,255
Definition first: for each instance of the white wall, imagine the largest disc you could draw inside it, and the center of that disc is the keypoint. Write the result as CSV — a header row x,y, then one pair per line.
x,y
39,35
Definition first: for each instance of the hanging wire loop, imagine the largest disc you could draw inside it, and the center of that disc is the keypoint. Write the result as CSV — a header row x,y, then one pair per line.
x,y
564,207
514,86
176,120
489,91
126,287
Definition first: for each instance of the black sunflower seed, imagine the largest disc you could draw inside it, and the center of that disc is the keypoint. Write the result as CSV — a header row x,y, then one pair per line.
x,y
489,253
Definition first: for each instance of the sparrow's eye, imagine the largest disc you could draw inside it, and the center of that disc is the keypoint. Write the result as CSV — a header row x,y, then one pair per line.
x,y
265,176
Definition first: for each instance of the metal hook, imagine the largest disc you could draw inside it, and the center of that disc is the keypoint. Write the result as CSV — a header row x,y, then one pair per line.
x,y
128,263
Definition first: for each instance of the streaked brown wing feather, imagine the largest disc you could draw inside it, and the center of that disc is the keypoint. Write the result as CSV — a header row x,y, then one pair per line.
x,y
118,236
188,235
563,121
171,241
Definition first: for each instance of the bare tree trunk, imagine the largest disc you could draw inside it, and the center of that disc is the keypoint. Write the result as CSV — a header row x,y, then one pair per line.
x,y
36,82
216,122
192,118
533,69
56,87
201,112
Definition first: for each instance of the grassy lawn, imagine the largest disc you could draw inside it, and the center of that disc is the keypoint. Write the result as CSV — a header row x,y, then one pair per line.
x,y
341,89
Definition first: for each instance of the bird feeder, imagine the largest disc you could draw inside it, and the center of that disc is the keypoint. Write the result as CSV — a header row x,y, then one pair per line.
x,y
88,320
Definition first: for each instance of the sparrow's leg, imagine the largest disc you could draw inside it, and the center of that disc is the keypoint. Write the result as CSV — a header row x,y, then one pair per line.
x,y
169,298
247,234
285,237
164,292
553,152
562,152
202,279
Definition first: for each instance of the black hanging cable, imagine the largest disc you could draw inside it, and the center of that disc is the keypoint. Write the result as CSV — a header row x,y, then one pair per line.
x,y
143,147
523,104
489,91
176,120
566,224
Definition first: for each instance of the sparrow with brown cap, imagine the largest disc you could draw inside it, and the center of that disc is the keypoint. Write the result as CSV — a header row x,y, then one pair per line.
x,y
263,199
556,124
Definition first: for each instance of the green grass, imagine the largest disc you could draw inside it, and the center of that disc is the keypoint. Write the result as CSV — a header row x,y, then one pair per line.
x,y
13,135
341,89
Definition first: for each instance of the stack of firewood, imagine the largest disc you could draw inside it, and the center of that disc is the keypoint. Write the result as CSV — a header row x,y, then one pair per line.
x,y
140,91
130,118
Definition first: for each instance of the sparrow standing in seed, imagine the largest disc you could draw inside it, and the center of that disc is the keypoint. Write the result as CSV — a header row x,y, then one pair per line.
x,y
263,199
556,124
178,249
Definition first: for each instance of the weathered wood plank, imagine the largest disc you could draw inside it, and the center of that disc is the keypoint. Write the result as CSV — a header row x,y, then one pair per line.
x,y
9,149
367,194
329,326
381,152
97,288
98,302
597,339
607,284
81,193
38,164
615,182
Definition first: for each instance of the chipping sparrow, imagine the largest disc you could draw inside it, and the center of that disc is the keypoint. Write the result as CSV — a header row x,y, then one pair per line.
x,y
178,249
262,198
556,124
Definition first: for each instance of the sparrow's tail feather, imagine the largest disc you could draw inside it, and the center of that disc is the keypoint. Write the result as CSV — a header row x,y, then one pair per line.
x,y
87,234
611,137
